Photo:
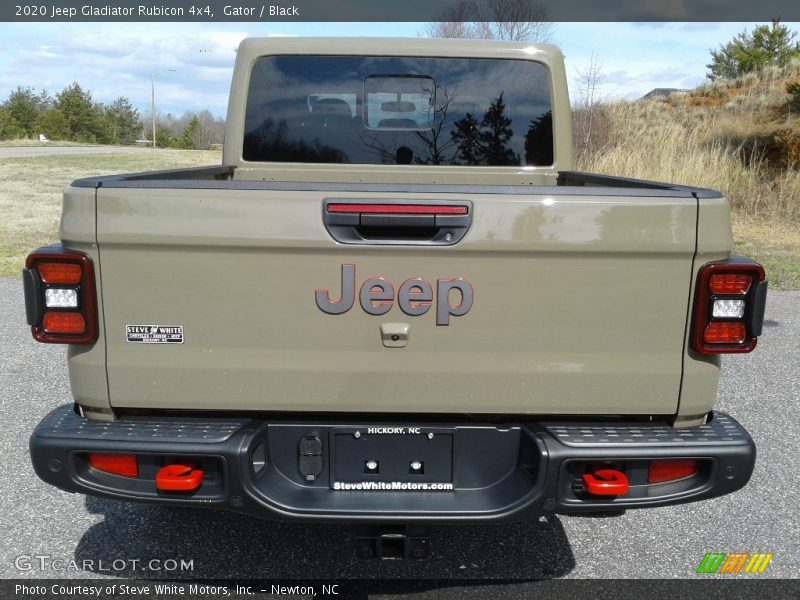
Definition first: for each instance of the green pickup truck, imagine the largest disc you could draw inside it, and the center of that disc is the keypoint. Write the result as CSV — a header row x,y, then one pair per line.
x,y
394,303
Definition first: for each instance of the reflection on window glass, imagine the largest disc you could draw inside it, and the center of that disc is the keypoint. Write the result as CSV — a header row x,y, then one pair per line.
x,y
399,102
391,110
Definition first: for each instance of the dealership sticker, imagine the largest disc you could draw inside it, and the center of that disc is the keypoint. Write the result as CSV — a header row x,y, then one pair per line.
x,y
154,334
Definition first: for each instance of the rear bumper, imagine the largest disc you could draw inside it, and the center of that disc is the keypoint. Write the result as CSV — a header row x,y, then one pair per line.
x,y
472,472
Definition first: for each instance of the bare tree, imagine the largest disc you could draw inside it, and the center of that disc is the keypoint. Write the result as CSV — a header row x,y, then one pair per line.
x,y
514,20
589,81
455,21
436,145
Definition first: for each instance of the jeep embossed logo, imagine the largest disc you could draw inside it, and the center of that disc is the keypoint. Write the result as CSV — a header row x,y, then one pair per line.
x,y
414,297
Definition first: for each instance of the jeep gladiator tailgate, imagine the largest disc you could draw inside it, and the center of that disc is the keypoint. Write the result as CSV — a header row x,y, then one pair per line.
x,y
577,301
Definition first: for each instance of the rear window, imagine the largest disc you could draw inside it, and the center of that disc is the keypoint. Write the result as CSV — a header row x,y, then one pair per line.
x,y
395,110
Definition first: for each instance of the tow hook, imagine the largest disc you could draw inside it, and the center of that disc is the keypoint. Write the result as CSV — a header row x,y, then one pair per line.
x,y
606,482
179,477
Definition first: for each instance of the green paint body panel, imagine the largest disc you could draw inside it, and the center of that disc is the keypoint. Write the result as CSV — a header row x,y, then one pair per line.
x,y
568,293
581,299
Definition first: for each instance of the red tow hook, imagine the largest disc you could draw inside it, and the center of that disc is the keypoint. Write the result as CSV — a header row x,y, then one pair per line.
x,y
179,478
606,482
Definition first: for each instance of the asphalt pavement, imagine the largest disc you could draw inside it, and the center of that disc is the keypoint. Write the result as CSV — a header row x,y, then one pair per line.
x,y
88,535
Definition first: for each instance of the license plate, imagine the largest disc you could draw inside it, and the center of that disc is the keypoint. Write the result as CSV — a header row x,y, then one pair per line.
x,y
392,458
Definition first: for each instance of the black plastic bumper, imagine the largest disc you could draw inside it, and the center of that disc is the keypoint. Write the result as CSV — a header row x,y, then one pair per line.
x,y
472,472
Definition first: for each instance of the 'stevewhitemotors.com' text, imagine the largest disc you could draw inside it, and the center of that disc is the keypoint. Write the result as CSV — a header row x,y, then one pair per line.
x,y
392,486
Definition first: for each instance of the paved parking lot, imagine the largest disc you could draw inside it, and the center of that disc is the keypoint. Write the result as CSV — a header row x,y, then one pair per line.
x,y
761,390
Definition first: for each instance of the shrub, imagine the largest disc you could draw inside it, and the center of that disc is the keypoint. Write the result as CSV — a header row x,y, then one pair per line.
x,y
794,97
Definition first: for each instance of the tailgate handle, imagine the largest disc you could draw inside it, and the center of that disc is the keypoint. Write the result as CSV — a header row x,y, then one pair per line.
x,y
404,222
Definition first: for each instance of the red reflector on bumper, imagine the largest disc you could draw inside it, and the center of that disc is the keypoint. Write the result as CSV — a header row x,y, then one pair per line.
x,y
670,470
63,322
606,482
116,464
178,478
724,332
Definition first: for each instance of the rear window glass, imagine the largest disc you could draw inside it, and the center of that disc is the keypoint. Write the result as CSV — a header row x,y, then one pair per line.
x,y
397,110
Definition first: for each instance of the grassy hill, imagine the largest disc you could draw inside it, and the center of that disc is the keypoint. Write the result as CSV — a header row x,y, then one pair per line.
x,y
31,190
739,137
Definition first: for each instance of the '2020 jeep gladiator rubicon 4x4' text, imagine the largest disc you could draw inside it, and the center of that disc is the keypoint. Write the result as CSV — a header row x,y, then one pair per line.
x,y
394,302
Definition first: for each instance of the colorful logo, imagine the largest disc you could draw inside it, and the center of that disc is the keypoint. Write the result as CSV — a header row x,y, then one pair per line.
x,y
734,563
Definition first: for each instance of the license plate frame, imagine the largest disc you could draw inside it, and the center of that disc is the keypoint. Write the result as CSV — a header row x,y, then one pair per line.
x,y
394,448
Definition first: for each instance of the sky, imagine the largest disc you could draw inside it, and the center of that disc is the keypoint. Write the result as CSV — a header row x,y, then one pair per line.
x,y
117,59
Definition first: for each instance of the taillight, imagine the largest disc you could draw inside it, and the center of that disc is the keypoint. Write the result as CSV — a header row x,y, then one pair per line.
x,y
729,306
60,272
63,322
60,298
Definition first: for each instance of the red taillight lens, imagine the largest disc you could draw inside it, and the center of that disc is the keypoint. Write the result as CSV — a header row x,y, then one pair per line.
x,y
66,273
60,298
730,284
116,464
724,332
661,471
729,306
68,322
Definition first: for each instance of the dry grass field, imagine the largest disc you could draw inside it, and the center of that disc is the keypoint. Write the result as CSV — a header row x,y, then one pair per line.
x,y
737,137
31,188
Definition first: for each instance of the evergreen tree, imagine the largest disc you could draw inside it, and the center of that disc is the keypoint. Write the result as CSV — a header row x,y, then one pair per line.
x,y
495,134
465,135
752,51
44,101
164,137
194,136
9,128
539,141
53,124
793,90
85,121
24,106
123,121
